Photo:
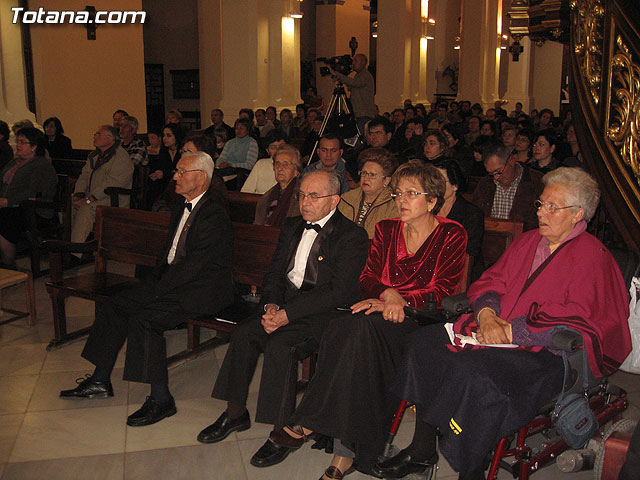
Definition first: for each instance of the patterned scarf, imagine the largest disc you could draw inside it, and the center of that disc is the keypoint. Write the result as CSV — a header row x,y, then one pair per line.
x,y
10,173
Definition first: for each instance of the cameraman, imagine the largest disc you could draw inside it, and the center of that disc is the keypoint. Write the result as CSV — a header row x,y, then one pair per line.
x,y
362,90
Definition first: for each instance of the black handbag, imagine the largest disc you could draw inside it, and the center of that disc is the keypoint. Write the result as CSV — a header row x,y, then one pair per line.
x,y
572,417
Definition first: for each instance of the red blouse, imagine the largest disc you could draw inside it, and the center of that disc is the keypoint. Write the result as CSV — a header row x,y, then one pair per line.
x,y
436,266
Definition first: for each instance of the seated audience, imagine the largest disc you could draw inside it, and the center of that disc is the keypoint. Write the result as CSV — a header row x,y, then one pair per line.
x,y
300,121
155,141
117,116
478,148
434,145
312,137
299,291
550,278
456,208
272,116
192,277
263,124
509,190
488,128
262,176
545,143
517,111
441,118
457,149
524,138
286,125
571,156
28,174
108,165
371,201
57,144
160,166
278,203
217,121
411,258
330,159
473,127
544,119
134,146
242,150
378,132
6,152
508,136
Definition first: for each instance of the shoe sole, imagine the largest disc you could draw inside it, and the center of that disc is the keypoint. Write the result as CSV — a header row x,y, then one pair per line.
x,y
82,397
239,428
270,464
170,413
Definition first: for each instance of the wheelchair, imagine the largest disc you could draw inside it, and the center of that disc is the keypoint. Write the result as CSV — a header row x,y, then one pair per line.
x,y
536,444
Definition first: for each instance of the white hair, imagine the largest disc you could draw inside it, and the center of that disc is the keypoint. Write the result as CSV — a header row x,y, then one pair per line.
x,y
582,189
202,161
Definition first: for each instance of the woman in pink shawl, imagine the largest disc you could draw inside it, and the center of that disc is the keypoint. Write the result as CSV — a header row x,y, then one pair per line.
x,y
557,275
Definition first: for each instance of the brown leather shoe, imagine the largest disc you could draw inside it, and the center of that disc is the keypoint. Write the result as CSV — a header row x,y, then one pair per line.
x,y
334,473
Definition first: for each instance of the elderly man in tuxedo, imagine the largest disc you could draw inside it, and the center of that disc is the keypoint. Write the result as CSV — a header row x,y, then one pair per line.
x,y
192,276
314,269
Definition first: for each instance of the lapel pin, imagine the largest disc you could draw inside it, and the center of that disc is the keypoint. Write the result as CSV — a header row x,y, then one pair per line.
x,y
320,258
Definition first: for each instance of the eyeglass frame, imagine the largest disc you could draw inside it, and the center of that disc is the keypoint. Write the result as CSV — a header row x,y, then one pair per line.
x,y
372,175
313,196
497,173
410,195
549,207
180,173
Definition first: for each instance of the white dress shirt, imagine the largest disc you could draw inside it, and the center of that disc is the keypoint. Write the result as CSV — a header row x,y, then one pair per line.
x,y
183,220
296,275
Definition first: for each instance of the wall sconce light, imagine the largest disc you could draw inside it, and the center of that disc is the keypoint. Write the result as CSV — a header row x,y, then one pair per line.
x,y
503,41
294,9
457,41
374,29
428,28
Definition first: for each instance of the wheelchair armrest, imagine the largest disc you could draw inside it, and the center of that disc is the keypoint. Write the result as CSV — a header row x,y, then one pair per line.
x,y
60,246
456,304
567,340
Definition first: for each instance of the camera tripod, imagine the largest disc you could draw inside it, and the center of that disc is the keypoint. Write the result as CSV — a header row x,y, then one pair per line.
x,y
337,106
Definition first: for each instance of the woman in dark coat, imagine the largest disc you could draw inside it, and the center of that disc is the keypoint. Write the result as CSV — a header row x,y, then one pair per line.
x,y
57,144
28,174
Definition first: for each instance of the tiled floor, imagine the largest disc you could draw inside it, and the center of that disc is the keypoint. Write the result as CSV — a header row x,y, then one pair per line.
x,y
43,437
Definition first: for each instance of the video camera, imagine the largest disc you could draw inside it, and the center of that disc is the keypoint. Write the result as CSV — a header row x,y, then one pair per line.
x,y
340,63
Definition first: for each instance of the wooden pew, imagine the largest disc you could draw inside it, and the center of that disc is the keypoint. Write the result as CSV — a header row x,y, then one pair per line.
x,y
242,206
498,235
68,166
137,237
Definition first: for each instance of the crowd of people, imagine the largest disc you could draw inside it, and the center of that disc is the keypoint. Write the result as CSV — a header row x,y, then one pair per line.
x,y
367,229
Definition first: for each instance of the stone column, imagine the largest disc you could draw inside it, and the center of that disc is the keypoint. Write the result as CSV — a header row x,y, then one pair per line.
x,y
13,90
519,78
479,53
249,56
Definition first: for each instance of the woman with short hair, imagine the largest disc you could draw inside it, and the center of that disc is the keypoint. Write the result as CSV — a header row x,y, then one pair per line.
x,y
57,144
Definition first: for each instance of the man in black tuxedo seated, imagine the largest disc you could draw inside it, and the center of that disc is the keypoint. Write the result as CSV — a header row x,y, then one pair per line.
x,y
315,268
192,276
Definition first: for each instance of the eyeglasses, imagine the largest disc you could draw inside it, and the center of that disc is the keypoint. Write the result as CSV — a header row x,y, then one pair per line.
x,y
313,196
410,195
372,175
23,142
550,207
180,173
496,173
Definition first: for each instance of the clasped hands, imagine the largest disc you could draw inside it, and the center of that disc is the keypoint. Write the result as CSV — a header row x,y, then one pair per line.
x,y
390,303
492,329
273,318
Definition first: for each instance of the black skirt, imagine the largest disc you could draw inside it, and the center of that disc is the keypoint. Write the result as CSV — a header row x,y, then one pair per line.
x,y
349,397
477,396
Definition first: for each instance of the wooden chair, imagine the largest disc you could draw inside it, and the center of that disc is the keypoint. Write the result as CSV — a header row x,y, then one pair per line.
x,y
498,235
8,278
242,206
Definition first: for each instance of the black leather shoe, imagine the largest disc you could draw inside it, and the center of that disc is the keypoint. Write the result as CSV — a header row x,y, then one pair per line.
x,y
87,388
403,464
270,454
223,426
152,412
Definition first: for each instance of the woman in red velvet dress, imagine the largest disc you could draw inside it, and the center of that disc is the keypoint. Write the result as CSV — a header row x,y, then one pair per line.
x,y
410,257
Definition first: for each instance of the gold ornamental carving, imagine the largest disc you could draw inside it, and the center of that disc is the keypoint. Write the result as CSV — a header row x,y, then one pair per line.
x,y
624,115
588,28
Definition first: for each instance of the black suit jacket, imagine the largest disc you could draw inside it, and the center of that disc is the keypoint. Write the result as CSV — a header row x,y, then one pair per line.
x,y
202,278
335,262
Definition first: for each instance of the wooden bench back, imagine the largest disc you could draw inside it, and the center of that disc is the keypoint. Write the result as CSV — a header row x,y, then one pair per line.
x,y
242,206
129,236
68,166
253,247
498,235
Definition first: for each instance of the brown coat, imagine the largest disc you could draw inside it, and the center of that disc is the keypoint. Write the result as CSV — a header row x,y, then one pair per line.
x,y
522,209
384,207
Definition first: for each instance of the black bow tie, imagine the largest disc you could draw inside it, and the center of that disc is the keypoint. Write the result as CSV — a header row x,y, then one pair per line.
x,y
188,206
313,226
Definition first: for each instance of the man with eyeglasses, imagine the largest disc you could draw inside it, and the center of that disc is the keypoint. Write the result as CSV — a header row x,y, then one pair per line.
x,y
192,276
330,154
315,268
510,189
109,165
